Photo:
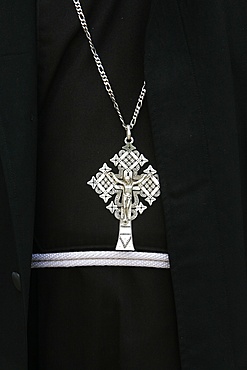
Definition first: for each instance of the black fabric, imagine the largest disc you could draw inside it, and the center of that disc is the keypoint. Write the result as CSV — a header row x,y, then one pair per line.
x,y
102,318
94,318
11,299
196,76
18,126
198,70
79,129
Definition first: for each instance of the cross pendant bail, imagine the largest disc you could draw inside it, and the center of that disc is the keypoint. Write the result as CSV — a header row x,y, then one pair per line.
x,y
128,133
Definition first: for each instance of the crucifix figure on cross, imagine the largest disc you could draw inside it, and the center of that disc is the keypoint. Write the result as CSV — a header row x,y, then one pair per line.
x,y
127,186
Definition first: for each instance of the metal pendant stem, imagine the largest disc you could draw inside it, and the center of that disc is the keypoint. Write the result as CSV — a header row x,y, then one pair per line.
x,y
125,239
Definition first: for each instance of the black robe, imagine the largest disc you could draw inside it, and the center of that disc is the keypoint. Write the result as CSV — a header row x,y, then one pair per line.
x,y
94,317
195,68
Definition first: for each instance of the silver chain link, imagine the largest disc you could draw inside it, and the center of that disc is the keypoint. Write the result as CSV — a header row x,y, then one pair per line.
x,y
103,75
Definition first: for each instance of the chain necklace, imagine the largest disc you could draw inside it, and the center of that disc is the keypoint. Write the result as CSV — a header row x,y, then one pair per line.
x,y
126,185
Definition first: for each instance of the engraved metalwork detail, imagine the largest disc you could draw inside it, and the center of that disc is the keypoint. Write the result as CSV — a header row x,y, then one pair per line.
x,y
127,186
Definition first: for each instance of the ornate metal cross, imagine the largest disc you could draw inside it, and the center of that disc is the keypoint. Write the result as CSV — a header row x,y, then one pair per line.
x,y
127,186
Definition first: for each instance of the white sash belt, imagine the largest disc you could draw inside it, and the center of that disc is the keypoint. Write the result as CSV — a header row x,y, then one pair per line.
x,y
101,258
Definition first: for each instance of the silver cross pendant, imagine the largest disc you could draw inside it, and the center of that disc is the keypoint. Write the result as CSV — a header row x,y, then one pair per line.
x,y
126,187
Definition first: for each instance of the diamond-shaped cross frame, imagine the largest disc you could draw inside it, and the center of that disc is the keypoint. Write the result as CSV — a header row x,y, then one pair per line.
x,y
127,186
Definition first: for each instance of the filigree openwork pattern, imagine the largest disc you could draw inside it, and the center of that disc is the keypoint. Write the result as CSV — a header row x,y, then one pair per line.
x,y
107,184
